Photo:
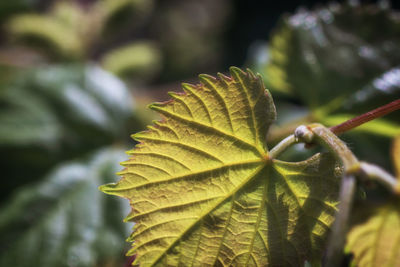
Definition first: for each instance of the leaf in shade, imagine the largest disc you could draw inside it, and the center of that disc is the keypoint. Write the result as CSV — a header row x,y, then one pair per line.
x,y
376,242
337,56
64,220
56,113
204,190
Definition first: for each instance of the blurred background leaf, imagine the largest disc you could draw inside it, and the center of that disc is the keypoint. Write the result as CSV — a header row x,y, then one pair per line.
x,y
64,220
139,61
56,113
338,61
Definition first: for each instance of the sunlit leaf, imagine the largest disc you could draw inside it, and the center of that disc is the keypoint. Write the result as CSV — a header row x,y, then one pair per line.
x,y
376,242
204,190
64,220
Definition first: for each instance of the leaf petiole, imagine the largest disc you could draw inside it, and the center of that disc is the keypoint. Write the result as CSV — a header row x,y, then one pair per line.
x,y
374,172
282,146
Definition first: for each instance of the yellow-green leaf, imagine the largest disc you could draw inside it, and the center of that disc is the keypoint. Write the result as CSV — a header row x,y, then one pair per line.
x,y
376,242
205,191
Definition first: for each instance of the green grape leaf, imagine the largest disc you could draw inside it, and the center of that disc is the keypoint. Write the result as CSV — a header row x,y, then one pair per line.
x,y
376,242
64,220
205,191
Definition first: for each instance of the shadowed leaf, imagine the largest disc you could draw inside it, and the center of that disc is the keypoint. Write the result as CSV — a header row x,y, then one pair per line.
x,y
64,220
204,190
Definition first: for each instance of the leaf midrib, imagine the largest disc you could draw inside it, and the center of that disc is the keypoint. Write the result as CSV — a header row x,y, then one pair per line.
x,y
223,166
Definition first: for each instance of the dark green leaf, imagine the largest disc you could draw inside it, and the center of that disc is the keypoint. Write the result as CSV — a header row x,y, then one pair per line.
x,y
64,220
56,113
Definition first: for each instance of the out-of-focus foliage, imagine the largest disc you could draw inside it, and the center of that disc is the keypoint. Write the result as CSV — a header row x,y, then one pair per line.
x,y
330,54
49,32
193,38
339,61
56,113
139,61
117,26
375,241
9,8
64,220
119,13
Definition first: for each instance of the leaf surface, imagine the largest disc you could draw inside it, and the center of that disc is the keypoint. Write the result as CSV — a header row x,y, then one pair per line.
x,y
204,190
376,242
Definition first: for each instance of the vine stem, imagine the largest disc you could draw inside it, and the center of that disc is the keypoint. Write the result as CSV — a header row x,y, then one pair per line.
x,y
337,238
366,117
326,138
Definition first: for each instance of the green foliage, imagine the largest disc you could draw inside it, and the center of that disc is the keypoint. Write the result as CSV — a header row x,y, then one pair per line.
x,y
118,13
56,113
204,189
58,124
376,242
329,57
139,61
63,220
339,61
49,32
9,8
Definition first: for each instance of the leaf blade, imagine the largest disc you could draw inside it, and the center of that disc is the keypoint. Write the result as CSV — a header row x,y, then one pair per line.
x,y
203,173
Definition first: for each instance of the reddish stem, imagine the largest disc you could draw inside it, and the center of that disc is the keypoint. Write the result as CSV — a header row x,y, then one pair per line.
x,y
366,117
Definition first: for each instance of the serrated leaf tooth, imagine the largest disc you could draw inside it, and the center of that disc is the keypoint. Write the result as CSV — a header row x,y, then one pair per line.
x,y
226,79
208,80
251,74
157,105
188,85
138,136
237,73
121,173
176,95
112,189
